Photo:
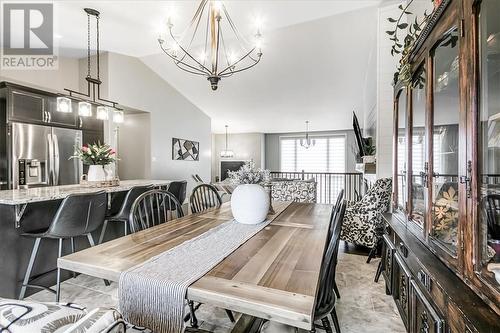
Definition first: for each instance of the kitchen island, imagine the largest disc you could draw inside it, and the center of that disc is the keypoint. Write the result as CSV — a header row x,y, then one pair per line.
x,y
27,210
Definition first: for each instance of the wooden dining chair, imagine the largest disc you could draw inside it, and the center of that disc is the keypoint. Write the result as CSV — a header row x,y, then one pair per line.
x,y
203,197
325,303
152,208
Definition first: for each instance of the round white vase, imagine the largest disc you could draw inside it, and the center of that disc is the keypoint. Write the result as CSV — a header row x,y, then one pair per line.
x,y
249,203
96,173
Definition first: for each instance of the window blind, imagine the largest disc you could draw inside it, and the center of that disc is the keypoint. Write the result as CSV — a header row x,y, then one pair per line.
x,y
327,155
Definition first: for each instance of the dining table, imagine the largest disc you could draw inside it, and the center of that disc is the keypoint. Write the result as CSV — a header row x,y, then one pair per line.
x,y
274,275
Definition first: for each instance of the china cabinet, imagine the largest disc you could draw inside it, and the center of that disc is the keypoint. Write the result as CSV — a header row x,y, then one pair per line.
x,y
445,223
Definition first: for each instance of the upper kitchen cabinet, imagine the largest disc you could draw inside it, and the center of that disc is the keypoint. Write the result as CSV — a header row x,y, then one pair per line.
x,y
26,106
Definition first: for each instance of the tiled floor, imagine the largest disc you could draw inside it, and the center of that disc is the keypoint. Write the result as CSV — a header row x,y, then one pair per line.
x,y
362,308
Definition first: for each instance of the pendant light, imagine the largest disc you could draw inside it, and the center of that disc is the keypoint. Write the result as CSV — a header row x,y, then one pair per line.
x,y
307,142
226,153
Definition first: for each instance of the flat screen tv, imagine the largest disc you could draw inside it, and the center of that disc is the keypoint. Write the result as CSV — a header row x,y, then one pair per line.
x,y
357,132
226,166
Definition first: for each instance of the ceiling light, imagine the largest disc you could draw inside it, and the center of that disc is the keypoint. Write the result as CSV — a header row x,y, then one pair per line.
x,y
84,109
118,117
102,113
226,153
64,105
307,142
210,14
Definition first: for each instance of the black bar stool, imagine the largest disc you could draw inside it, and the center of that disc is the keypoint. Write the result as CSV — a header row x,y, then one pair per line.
x,y
78,215
124,212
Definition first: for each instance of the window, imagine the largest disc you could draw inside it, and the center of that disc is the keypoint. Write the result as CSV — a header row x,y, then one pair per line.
x,y
327,155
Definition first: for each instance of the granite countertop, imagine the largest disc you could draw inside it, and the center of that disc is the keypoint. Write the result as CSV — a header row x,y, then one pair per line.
x,y
22,196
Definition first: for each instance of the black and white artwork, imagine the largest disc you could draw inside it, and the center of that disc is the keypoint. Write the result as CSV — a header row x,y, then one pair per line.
x,y
185,150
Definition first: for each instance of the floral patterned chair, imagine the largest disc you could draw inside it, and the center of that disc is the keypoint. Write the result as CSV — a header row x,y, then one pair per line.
x,y
362,218
294,190
37,317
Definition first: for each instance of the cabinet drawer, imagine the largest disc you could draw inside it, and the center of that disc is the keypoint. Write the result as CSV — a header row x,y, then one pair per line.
x,y
401,288
423,317
387,260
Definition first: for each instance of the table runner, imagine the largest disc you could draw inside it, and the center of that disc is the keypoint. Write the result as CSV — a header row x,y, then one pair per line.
x,y
153,293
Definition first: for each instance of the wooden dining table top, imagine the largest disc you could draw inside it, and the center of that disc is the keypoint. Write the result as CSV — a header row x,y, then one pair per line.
x,y
274,275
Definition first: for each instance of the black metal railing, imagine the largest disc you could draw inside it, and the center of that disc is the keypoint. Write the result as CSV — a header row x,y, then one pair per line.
x,y
329,184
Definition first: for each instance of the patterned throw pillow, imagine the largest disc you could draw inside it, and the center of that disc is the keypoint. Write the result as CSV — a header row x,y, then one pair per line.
x,y
33,317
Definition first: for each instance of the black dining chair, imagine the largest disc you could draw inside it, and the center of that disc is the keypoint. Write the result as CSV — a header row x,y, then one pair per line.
x,y
123,213
331,230
178,189
152,208
325,303
203,197
78,215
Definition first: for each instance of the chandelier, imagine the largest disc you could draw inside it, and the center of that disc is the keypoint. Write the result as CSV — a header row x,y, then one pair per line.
x,y
226,153
307,142
206,47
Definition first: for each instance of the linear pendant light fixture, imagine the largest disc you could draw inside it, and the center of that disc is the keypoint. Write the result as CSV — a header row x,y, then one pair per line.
x,y
207,48
226,153
93,93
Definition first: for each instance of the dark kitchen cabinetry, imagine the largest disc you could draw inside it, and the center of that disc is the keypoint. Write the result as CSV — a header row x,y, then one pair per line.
x,y
424,317
26,106
59,118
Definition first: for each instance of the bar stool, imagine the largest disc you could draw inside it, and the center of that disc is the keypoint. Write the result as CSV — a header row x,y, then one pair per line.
x,y
124,212
78,215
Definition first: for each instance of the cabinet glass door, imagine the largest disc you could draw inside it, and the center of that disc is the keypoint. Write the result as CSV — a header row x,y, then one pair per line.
x,y
489,142
402,191
445,142
418,148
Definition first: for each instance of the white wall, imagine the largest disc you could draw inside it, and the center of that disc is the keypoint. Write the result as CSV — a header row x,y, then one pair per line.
x,y
246,146
132,83
66,76
134,146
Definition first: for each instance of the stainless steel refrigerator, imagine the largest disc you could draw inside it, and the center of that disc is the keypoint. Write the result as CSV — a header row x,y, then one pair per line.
x,y
39,156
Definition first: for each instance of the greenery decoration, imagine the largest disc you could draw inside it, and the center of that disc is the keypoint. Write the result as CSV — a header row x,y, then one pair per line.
x,y
405,45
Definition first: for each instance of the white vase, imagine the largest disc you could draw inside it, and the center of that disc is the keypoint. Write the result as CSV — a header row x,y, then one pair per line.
x,y
96,173
250,203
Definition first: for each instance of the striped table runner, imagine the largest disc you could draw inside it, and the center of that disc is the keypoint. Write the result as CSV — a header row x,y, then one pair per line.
x,y
153,293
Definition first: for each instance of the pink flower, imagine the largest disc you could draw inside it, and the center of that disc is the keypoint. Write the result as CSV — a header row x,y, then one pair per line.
x,y
85,148
112,152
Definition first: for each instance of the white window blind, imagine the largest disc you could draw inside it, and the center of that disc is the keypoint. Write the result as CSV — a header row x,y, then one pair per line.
x,y
327,155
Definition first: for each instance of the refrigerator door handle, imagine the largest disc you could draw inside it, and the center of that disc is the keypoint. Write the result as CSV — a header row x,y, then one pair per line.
x,y
50,159
56,160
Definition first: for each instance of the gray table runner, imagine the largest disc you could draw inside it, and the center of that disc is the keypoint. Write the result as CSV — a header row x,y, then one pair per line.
x,y
153,293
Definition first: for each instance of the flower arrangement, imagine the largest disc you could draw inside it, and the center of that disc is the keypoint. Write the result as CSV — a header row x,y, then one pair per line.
x,y
249,174
95,154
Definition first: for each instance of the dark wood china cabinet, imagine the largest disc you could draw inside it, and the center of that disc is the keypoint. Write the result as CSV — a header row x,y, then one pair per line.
x,y
443,239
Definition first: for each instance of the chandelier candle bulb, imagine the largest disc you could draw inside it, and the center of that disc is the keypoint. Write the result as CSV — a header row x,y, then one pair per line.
x,y
84,109
64,105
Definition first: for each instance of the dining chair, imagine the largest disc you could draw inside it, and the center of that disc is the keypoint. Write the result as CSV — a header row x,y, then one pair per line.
x,y
152,208
331,230
123,213
325,303
203,197
178,189
77,215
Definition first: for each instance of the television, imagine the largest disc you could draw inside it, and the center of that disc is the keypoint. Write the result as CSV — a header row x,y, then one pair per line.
x,y
359,137
226,166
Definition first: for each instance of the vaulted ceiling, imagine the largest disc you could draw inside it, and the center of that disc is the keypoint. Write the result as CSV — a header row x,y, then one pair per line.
x,y
318,64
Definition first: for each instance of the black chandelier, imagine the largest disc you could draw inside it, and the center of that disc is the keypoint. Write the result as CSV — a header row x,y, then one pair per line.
x,y
215,60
